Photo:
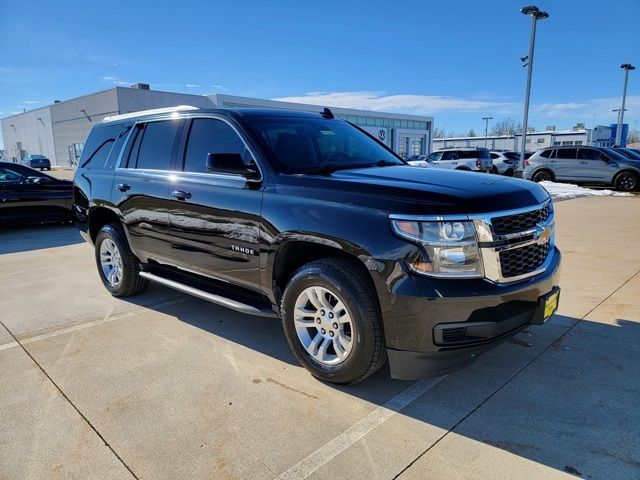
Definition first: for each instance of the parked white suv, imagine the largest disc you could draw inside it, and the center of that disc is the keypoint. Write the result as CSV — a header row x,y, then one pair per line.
x,y
504,162
475,159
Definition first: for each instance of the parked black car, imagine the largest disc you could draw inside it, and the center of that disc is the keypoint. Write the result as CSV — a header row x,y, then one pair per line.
x,y
37,161
309,218
29,196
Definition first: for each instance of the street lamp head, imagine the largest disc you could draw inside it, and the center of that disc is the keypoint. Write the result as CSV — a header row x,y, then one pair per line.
x,y
531,9
627,66
541,15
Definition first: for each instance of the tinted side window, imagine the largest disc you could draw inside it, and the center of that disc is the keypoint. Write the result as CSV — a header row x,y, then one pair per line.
x,y
98,146
117,147
567,153
546,153
449,155
10,177
588,154
157,145
434,157
209,135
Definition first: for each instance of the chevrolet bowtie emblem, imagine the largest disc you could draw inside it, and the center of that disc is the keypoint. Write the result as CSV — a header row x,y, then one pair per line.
x,y
542,233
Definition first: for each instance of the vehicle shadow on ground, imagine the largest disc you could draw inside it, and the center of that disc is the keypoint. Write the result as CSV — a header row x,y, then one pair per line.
x,y
561,398
14,239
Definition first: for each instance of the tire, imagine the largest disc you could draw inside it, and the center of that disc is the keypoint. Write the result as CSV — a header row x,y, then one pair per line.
x,y
111,239
509,172
494,170
542,176
626,181
334,280
48,169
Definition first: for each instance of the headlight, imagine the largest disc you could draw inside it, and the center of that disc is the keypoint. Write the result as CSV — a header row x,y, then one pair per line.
x,y
450,248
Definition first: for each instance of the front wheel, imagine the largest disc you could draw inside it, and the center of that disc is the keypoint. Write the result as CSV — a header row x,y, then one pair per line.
x,y
331,319
117,266
626,181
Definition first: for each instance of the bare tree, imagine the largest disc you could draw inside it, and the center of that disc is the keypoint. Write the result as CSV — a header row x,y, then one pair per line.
x,y
438,133
471,133
506,127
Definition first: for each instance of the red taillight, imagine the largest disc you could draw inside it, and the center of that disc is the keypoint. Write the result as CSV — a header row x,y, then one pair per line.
x,y
478,163
526,163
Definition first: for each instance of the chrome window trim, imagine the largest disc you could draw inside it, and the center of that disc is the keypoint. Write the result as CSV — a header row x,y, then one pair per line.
x,y
192,116
490,255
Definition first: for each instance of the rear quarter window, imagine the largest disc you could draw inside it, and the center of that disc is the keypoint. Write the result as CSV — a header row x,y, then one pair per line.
x,y
98,146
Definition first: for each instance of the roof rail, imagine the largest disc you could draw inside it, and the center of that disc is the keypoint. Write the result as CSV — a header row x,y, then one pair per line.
x,y
140,113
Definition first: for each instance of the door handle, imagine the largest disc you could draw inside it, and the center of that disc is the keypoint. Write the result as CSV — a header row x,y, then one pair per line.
x,y
181,194
583,163
123,187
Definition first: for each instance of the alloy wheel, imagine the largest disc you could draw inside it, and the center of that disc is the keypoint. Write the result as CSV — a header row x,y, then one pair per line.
x,y
323,325
111,262
626,181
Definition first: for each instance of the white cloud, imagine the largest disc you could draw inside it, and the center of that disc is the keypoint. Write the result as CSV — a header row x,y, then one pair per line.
x,y
116,81
418,104
601,107
31,102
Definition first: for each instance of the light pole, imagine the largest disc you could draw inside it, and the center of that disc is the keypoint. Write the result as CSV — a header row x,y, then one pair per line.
x,y
626,67
536,15
617,112
486,129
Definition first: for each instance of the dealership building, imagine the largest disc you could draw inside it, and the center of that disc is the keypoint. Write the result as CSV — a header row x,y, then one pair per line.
x,y
599,136
58,131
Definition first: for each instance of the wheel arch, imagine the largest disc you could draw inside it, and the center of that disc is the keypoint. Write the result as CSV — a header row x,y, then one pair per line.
x,y
627,170
99,217
293,253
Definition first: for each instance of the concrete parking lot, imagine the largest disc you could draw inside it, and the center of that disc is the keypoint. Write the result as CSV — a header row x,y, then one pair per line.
x,y
164,385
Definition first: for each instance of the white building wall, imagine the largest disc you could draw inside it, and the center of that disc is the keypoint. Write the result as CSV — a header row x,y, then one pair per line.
x,y
73,120
31,129
134,100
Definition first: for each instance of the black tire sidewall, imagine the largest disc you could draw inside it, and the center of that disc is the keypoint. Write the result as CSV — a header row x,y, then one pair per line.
x,y
112,232
536,176
359,359
622,189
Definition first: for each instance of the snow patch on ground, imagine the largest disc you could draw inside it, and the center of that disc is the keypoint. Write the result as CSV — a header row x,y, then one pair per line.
x,y
564,191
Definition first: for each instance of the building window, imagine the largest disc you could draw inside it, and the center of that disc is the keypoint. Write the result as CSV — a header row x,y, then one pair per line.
x,y
541,140
578,142
556,143
567,142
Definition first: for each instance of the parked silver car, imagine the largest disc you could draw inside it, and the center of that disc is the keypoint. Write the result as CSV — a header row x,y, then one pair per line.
x,y
474,159
584,165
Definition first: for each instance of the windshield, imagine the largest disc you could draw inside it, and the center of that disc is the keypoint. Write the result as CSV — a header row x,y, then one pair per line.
x,y
615,154
301,144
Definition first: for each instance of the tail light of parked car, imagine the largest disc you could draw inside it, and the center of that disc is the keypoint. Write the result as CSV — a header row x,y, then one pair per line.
x,y
526,163
478,163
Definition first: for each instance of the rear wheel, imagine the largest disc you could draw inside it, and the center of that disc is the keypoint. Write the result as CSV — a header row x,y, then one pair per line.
x,y
118,267
494,170
626,181
509,172
542,176
331,319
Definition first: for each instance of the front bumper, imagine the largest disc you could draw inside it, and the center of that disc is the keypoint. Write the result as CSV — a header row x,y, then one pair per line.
x,y
437,326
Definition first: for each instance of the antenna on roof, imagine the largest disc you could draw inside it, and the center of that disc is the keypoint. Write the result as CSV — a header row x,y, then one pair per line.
x,y
326,113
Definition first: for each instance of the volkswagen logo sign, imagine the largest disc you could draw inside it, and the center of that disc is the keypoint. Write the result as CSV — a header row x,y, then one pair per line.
x,y
381,135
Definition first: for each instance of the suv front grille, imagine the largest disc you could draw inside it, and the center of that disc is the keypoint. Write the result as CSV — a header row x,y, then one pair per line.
x,y
520,222
520,261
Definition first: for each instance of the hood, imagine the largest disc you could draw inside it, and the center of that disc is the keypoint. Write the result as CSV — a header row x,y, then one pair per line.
x,y
416,190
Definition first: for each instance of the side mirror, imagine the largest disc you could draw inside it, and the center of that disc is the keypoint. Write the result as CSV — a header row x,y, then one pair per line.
x,y
231,163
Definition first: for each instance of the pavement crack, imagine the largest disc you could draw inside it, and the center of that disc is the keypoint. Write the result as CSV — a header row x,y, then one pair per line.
x,y
64,395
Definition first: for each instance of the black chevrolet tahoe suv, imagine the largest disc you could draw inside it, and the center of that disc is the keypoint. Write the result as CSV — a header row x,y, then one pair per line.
x,y
306,217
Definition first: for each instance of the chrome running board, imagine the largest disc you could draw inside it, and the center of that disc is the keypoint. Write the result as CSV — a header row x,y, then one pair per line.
x,y
210,297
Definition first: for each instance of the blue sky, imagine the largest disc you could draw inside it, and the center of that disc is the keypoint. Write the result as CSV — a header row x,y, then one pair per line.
x,y
456,60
